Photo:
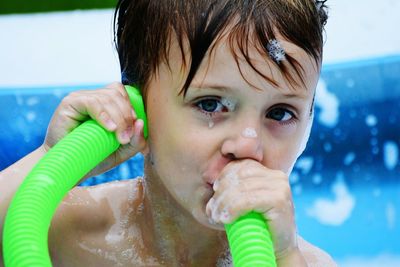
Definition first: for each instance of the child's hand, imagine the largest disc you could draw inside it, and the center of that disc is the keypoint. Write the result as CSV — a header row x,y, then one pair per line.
x,y
246,185
111,108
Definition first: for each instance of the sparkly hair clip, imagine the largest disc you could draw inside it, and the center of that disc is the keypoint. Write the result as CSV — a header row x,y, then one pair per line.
x,y
275,51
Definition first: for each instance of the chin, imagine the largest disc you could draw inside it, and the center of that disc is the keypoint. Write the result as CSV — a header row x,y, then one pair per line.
x,y
201,217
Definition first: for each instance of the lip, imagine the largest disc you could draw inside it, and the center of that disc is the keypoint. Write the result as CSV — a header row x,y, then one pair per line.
x,y
209,192
209,185
214,168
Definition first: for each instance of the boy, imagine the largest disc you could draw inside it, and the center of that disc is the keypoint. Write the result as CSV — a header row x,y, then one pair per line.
x,y
228,88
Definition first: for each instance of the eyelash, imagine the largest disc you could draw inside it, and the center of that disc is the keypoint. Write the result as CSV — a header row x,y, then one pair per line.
x,y
223,108
289,121
198,104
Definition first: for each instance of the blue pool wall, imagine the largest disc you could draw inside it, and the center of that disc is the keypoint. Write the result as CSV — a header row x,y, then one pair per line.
x,y
350,166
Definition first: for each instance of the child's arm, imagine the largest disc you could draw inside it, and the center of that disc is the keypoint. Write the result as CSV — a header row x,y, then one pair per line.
x,y
105,105
246,185
10,179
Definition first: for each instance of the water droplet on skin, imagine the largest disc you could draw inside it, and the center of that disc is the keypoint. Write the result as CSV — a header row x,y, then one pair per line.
x,y
230,104
225,260
249,133
233,177
210,124
225,216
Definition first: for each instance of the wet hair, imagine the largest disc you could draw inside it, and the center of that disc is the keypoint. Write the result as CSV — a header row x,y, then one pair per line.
x,y
143,30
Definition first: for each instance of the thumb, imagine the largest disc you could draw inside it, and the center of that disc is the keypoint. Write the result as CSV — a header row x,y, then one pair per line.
x,y
137,144
124,152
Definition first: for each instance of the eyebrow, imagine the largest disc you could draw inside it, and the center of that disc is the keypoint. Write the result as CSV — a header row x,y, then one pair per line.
x,y
227,88
291,96
211,86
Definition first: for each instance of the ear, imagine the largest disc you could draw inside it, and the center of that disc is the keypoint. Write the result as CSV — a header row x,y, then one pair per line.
x,y
146,149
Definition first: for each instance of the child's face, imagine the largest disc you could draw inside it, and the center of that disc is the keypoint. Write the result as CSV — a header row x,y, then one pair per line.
x,y
193,138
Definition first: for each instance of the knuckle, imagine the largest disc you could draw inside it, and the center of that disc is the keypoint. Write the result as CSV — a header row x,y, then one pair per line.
x,y
283,195
251,199
115,85
69,97
106,100
115,92
245,187
243,171
74,94
281,175
91,101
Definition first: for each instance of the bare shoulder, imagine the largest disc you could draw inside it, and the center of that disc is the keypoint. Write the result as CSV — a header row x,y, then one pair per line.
x,y
92,207
315,257
84,223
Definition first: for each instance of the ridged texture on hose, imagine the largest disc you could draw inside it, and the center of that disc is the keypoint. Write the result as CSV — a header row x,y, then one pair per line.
x,y
250,242
29,215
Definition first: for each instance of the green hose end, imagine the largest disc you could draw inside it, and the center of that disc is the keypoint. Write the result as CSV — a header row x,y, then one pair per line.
x,y
250,241
138,105
28,218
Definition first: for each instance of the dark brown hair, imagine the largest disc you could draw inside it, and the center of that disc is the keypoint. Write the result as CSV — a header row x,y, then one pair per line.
x,y
143,30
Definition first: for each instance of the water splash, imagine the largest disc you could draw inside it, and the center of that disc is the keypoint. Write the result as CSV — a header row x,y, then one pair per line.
x,y
334,211
328,103
371,120
294,178
317,179
349,158
391,215
305,164
390,154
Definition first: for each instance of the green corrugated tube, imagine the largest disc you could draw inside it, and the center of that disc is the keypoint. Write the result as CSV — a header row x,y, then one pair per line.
x,y
250,241
25,236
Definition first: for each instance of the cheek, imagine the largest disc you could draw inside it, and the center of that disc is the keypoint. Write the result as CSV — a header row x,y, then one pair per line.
x,y
173,148
306,137
282,153
284,159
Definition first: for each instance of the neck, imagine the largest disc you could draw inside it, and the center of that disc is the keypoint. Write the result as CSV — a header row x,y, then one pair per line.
x,y
172,232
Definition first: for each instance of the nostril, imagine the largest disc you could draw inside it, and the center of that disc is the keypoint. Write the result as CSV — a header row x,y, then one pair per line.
x,y
230,156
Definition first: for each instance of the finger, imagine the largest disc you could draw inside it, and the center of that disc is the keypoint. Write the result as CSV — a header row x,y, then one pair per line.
x,y
231,204
112,110
250,184
243,169
124,152
118,111
102,107
240,175
79,106
120,88
137,141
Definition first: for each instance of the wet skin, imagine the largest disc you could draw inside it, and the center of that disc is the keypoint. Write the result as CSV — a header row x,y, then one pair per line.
x,y
224,149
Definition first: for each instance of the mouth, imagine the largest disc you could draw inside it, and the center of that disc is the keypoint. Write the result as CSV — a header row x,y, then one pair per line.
x,y
210,185
209,192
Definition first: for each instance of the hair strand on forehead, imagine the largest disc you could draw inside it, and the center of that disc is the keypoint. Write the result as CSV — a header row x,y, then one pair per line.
x,y
144,29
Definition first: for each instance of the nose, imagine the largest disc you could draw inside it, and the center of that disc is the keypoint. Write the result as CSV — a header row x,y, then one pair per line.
x,y
244,143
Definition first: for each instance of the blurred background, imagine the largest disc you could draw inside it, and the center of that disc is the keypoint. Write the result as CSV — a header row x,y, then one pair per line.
x,y
346,184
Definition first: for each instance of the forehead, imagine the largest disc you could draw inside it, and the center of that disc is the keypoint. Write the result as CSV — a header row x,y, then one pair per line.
x,y
258,69
253,64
